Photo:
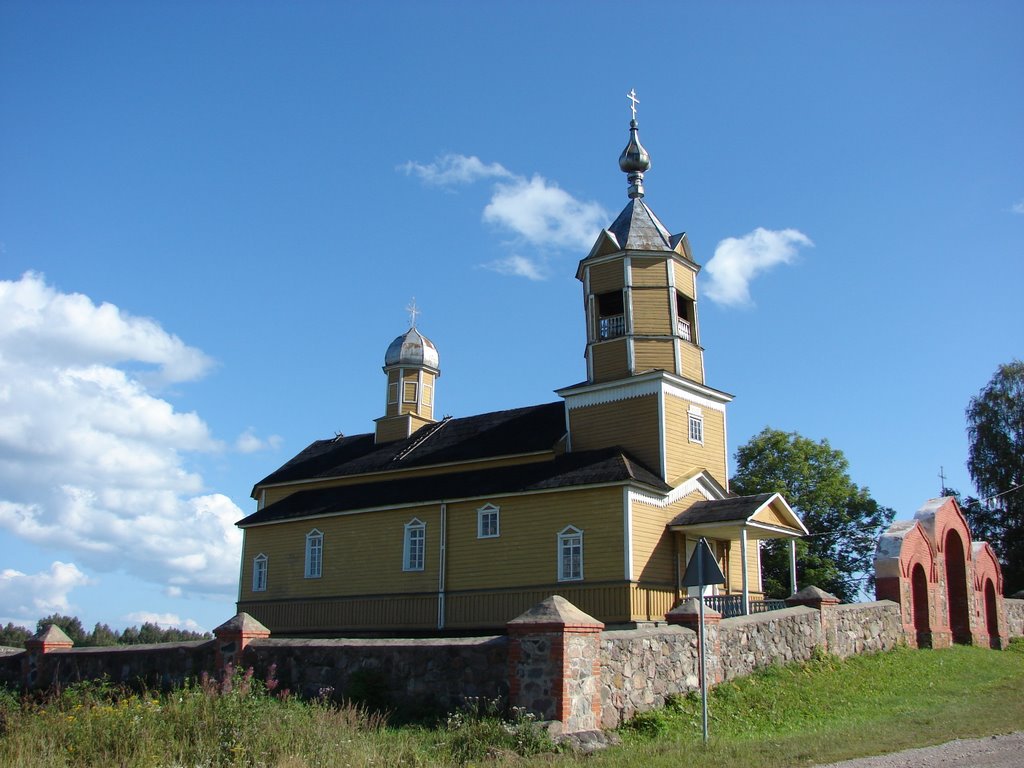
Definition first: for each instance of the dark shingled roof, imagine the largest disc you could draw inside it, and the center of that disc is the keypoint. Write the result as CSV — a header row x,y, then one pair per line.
x,y
567,470
500,433
721,510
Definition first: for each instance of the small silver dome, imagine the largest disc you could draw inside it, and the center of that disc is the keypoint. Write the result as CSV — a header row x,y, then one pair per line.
x,y
412,348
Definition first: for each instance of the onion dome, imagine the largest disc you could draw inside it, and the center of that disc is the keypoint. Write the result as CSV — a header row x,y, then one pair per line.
x,y
414,349
634,160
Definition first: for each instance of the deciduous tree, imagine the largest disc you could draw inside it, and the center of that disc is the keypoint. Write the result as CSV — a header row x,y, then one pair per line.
x,y
844,520
995,459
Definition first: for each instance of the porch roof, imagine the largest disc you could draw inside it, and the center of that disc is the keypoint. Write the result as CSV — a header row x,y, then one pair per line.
x,y
764,516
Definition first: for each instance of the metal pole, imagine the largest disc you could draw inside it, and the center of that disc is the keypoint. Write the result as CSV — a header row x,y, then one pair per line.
x,y
703,675
792,566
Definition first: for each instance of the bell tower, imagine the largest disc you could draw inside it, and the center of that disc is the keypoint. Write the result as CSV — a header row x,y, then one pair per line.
x,y
412,367
645,392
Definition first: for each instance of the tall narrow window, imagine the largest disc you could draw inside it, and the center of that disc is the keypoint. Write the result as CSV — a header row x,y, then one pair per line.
x,y
570,554
413,549
259,573
696,419
314,554
487,522
685,314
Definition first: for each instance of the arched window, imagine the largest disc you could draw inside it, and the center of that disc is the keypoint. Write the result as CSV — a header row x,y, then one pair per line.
x,y
413,549
570,554
314,554
259,573
487,522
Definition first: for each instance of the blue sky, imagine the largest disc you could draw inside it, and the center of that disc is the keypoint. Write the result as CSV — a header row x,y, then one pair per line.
x,y
213,216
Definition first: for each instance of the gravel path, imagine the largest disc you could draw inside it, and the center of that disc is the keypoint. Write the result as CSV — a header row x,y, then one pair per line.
x,y
991,752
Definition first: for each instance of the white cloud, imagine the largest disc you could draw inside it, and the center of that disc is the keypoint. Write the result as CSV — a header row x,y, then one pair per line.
x,y
1018,207
453,169
91,461
738,260
162,620
536,211
519,266
39,594
248,442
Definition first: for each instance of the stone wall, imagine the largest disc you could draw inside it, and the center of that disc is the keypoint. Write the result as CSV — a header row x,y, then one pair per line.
x,y
1014,616
776,637
864,628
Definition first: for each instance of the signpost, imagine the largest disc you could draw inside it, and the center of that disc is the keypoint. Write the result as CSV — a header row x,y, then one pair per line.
x,y
700,571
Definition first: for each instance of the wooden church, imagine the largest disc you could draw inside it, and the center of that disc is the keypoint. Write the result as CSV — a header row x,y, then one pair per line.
x,y
460,524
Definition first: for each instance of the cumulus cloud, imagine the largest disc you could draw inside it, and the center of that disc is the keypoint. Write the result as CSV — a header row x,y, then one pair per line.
x,y
1018,207
248,442
39,594
91,460
453,169
738,260
535,211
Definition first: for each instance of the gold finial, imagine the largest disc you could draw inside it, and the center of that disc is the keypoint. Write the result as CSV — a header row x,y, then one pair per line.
x,y
632,97
413,310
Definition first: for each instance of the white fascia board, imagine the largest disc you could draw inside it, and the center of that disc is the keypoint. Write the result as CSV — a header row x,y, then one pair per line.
x,y
697,484
643,384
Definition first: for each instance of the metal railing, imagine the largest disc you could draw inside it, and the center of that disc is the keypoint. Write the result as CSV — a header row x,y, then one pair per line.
x,y
732,605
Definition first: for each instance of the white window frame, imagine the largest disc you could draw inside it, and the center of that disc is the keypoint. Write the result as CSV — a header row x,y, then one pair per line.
x,y
695,425
393,392
406,386
568,538
314,554
485,515
414,545
259,573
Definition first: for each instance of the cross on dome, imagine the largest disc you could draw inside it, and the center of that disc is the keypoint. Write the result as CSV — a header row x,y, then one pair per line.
x,y
413,310
632,97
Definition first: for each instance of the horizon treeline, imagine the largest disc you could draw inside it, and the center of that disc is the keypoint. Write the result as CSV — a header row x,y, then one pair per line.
x,y
14,635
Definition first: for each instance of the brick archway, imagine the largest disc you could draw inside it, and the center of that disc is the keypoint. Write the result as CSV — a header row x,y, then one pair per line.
x,y
956,588
991,613
919,607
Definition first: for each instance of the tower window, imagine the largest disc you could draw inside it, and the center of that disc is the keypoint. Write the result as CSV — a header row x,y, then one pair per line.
x,y
611,319
314,554
413,550
685,314
409,392
696,419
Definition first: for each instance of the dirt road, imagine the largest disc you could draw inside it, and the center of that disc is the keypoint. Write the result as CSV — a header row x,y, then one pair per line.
x,y
991,752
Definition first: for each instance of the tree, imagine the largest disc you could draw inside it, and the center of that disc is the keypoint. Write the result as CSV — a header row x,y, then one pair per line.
x,y
13,636
71,625
843,519
995,459
102,634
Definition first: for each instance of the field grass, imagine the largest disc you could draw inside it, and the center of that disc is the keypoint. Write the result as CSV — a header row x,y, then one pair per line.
x,y
801,714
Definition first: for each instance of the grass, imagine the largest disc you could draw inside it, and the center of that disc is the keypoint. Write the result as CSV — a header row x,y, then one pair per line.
x,y
800,714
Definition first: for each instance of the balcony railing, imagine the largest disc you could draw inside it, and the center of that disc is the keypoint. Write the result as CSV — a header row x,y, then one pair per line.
x,y
611,326
732,605
683,329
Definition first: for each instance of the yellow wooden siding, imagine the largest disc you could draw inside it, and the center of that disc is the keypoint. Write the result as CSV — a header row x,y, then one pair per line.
x,y
684,456
652,312
391,428
610,360
607,277
362,554
770,516
630,424
326,616
653,544
693,361
654,354
609,603
651,603
684,279
650,272
526,551
278,492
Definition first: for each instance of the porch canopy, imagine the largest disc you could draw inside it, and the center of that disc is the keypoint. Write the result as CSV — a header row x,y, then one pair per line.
x,y
762,516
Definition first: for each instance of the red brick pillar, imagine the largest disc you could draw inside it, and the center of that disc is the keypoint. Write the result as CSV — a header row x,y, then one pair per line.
x,y
554,664
687,614
49,640
234,635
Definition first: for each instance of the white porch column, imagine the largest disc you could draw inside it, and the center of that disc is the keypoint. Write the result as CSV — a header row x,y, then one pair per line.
x,y
792,567
743,565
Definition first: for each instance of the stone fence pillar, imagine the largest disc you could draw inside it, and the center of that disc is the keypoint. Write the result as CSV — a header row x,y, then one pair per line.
x,y
687,614
233,636
51,639
823,602
554,664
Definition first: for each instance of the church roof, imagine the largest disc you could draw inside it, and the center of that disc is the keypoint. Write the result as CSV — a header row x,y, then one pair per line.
x,y
567,470
722,510
499,433
638,229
